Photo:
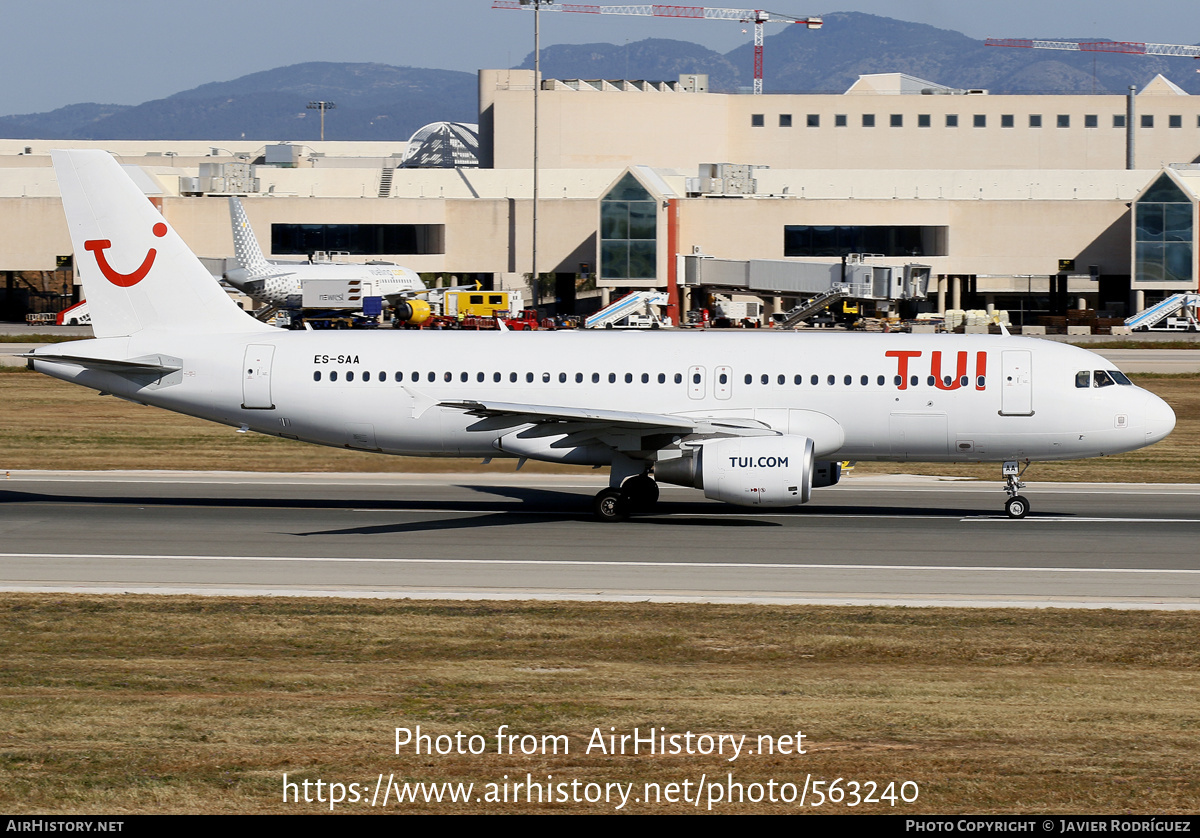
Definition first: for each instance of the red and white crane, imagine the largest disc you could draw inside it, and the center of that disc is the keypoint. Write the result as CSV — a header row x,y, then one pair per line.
x,y
756,16
1128,47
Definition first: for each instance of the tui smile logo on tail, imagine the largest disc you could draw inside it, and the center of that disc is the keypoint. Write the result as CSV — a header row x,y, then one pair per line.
x,y
98,246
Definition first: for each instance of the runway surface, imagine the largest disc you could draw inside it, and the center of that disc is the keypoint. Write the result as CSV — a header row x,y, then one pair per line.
x,y
893,540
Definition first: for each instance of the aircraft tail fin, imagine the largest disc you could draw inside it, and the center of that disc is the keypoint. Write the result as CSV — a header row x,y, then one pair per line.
x,y
245,246
137,273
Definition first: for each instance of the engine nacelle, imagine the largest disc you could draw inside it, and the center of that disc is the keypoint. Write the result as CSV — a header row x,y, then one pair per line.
x,y
413,311
748,471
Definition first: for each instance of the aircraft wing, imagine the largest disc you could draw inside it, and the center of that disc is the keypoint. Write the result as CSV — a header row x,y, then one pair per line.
x,y
509,414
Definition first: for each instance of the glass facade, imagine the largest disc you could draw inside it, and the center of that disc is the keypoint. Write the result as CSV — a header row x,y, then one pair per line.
x,y
628,232
1164,230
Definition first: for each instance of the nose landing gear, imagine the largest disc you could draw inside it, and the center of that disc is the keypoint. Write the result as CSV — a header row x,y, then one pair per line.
x,y
1017,505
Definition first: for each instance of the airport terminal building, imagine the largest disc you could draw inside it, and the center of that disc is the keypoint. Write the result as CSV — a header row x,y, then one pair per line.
x,y
1033,204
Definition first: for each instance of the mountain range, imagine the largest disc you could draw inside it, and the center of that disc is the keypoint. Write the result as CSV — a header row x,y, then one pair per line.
x,y
379,102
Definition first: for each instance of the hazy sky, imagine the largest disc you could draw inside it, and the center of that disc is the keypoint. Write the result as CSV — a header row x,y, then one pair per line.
x,y
61,52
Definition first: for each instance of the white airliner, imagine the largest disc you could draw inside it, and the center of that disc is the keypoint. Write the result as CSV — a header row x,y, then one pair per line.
x,y
279,284
757,419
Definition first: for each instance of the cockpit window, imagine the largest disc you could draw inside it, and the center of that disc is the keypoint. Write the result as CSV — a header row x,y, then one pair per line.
x,y
1120,378
1103,379
1083,379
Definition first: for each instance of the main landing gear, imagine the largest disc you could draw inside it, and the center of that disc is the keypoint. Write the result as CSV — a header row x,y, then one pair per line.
x,y
637,494
1017,505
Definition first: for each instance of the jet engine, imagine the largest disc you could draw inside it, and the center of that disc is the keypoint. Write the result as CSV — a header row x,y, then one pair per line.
x,y
752,471
413,311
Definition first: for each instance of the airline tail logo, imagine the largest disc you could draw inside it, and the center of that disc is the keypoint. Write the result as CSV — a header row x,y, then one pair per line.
x,y
98,246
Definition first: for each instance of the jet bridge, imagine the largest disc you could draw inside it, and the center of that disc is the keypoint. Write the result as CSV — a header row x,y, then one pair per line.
x,y
860,277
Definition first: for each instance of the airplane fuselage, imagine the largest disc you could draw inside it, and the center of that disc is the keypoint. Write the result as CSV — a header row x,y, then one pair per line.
x,y
861,397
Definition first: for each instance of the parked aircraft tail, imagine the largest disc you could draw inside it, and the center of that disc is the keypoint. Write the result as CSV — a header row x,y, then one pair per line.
x,y
137,272
245,246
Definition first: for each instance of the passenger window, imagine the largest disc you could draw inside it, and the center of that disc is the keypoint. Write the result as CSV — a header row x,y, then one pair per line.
x,y
432,377
831,379
662,378
964,381
863,381
628,378
781,379
798,380
847,379
724,379
447,376
696,378
317,375
1083,379
399,376
749,379
879,380
612,378
416,376
914,381
545,378
679,378
333,376
1102,379
496,377
382,377
578,378
463,377
899,381
562,378
479,377
366,376
766,379
350,376
528,378
979,382
814,380
512,376
595,378
645,378
931,381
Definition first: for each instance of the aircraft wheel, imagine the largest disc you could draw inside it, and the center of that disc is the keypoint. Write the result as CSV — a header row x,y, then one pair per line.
x,y
642,492
611,506
1017,507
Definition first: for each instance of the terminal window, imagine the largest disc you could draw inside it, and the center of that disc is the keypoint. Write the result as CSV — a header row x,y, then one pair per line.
x,y
897,120
1064,120
628,231
1164,230
1147,120
980,120
887,240
358,239
785,120
1006,120
1118,120
813,120
923,120
951,120
1091,121
1175,121
868,120
757,120
839,120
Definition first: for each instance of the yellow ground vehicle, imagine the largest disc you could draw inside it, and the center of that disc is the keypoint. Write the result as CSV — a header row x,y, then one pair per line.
x,y
475,303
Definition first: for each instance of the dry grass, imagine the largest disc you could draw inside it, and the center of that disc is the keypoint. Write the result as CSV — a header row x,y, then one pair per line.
x,y
49,424
181,704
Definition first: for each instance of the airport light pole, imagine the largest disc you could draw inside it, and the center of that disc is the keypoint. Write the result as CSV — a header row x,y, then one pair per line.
x,y
535,291
322,107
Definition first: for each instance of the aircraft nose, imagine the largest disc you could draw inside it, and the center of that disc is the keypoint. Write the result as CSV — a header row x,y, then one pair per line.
x,y
1160,418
